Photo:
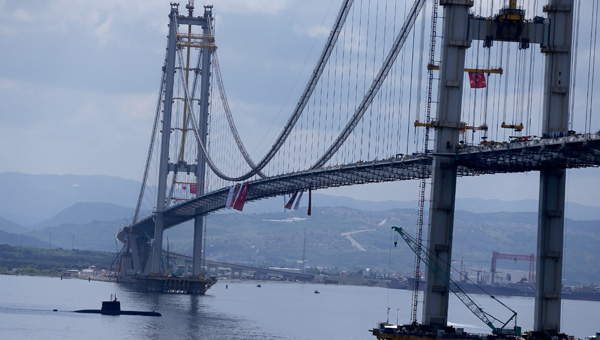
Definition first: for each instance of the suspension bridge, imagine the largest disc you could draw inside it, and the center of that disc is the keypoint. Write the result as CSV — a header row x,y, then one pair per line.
x,y
496,87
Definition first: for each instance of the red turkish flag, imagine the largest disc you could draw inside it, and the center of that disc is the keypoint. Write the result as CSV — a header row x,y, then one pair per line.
x,y
193,188
291,201
309,201
241,199
477,80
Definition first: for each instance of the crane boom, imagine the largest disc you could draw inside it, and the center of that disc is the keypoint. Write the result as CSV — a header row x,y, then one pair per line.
x,y
425,256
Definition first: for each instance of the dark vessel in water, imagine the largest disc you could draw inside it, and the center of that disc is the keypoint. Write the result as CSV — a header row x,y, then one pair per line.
x,y
416,331
170,284
113,307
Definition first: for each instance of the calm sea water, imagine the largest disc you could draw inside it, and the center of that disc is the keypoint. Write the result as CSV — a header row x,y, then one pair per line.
x,y
235,310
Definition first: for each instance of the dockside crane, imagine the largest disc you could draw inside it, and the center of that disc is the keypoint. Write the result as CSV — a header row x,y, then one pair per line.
x,y
485,317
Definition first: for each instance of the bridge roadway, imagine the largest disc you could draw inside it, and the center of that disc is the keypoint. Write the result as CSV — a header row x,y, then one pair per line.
x,y
263,272
574,151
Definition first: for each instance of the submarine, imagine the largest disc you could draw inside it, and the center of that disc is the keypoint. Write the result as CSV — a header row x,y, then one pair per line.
x,y
113,307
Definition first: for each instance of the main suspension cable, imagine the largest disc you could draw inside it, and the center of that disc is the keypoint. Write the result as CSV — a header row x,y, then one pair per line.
x,y
232,127
150,148
375,86
331,41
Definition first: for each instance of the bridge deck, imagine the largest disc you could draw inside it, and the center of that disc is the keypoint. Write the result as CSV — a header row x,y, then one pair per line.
x,y
569,152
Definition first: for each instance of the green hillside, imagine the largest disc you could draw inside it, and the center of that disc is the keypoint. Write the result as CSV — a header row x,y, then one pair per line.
x,y
97,235
32,261
12,227
345,238
277,239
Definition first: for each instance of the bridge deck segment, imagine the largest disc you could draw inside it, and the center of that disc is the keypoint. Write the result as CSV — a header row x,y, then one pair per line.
x,y
577,151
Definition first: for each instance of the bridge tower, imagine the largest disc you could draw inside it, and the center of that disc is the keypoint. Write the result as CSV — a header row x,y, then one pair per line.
x,y
203,127
554,36
551,213
175,42
448,125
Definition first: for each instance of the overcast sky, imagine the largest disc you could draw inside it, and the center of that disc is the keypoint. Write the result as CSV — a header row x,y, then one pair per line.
x,y
79,81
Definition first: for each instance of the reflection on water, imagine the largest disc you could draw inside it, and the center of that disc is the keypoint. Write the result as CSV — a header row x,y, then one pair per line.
x,y
243,311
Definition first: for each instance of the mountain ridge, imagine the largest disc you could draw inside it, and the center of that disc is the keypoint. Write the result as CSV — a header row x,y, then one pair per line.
x,y
31,200
86,212
9,226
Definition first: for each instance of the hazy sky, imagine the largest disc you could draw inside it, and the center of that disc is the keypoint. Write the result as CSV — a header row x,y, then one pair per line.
x,y
79,81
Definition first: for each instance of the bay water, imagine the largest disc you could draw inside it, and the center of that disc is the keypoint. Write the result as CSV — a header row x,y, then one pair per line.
x,y
239,310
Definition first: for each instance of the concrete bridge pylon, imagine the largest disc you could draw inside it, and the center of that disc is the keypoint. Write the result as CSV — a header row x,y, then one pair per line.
x,y
554,35
551,213
178,41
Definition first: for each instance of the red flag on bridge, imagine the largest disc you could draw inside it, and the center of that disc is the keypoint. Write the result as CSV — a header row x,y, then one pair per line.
x,y
193,189
290,203
309,201
231,198
241,198
477,80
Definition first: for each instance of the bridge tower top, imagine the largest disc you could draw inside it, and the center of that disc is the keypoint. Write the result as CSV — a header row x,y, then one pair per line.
x,y
175,44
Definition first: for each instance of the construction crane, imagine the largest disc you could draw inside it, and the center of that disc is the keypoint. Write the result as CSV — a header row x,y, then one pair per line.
x,y
485,317
423,185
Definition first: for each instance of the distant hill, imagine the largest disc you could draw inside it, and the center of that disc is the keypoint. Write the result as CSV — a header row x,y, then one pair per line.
x,y
475,205
276,204
12,227
53,262
85,213
572,210
30,199
96,235
22,240
276,239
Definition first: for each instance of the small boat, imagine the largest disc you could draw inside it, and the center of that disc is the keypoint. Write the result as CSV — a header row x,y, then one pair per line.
x,y
317,292
258,285
113,307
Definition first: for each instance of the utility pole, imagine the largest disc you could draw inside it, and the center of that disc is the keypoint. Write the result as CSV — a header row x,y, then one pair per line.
x,y
304,251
